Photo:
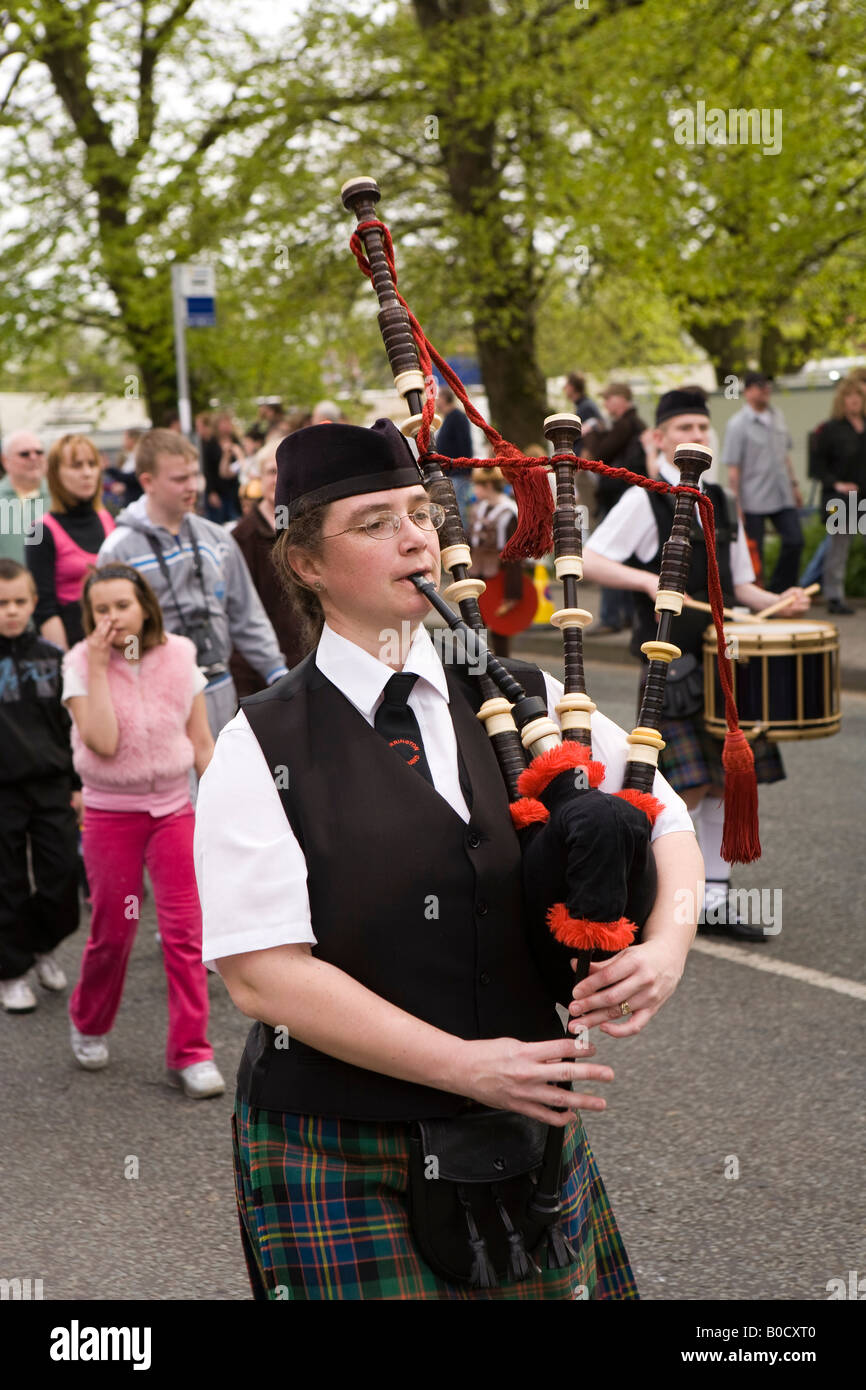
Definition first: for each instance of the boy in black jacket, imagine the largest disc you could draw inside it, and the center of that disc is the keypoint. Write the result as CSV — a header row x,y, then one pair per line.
x,y
36,796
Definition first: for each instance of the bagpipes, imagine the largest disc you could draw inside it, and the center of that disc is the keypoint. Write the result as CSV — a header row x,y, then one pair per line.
x,y
588,870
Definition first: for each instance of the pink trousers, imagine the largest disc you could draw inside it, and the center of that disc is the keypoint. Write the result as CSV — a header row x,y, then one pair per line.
x,y
117,845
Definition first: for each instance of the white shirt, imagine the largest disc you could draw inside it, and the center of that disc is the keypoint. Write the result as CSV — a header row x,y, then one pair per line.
x,y
630,528
252,875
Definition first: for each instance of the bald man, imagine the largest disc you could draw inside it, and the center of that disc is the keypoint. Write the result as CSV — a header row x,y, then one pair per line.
x,y
24,493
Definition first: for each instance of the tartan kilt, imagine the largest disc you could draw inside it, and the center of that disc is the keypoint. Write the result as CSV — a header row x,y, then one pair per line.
x,y
691,756
323,1213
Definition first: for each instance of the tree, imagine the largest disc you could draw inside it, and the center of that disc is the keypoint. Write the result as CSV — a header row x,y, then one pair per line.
x,y
530,166
134,145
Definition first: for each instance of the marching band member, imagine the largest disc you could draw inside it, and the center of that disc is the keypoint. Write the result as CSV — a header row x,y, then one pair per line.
x,y
625,551
361,892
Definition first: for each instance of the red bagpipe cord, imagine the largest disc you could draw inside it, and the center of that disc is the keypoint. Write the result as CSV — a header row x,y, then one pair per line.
x,y
533,536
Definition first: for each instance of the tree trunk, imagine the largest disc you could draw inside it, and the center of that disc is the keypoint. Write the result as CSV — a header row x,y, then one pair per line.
x,y
497,265
725,343
780,354
155,362
516,389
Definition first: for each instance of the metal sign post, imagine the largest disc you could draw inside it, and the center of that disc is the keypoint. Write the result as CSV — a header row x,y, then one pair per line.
x,y
193,305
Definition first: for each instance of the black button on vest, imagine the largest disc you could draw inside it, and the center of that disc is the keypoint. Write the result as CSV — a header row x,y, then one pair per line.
x,y
397,724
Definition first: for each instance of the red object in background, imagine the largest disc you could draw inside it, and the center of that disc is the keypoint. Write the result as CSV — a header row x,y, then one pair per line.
x,y
517,618
755,558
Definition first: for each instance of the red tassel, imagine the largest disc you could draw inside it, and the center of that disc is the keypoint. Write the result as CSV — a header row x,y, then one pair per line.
x,y
580,934
546,766
533,534
645,801
740,841
528,811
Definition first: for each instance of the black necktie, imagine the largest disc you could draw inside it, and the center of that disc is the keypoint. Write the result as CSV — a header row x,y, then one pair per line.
x,y
397,724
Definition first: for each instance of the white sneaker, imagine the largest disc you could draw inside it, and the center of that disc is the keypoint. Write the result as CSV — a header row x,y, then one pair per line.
x,y
48,973
16,996
91,1052
199,1080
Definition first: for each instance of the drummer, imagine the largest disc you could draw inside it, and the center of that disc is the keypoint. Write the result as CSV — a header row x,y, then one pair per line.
x,y
625,552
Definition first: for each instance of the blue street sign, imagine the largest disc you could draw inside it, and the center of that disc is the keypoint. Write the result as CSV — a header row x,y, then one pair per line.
x,y
201,313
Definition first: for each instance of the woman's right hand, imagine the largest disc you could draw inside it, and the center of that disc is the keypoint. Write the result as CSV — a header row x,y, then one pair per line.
x,y
510,1075
99,644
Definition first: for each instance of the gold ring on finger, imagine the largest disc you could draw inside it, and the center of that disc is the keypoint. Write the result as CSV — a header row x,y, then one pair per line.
x,y
625,1008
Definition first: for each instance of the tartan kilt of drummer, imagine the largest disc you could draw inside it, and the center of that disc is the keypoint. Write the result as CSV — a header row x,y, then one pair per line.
x,y
323,1212
692,757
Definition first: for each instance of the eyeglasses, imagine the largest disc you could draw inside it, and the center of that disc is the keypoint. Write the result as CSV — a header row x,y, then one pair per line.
x,y
30,453
430,518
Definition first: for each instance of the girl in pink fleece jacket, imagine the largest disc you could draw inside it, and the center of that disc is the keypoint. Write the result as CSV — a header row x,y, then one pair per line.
x,y
139,726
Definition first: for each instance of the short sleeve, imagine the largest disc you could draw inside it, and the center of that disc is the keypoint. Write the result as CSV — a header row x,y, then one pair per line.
x,y
742,569
610,746
251,872
732,447
73,682
628,529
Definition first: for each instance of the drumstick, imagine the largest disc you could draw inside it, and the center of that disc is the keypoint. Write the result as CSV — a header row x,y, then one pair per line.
x,y
726,612
780,602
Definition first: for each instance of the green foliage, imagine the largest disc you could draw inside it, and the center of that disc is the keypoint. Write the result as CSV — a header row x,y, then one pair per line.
x,y
544,212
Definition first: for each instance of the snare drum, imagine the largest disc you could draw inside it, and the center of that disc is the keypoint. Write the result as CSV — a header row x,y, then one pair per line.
x,y
786,679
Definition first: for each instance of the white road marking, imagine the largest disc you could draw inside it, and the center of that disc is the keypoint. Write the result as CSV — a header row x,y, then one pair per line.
x,y
740,956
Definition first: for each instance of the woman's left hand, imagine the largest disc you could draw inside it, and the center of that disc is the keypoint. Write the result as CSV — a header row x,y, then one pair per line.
x,y
643,976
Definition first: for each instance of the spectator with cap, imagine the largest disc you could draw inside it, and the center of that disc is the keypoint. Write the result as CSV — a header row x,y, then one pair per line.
x,y
269,414
757,452
24,495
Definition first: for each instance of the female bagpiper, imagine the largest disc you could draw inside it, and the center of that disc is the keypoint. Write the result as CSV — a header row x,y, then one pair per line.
x,y
361,892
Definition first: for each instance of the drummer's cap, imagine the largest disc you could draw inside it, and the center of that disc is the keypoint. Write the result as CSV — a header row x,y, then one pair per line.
x,y
323,463
685,401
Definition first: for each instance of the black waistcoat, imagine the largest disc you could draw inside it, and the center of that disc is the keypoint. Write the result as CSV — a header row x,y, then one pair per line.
x,y
422,908
690,626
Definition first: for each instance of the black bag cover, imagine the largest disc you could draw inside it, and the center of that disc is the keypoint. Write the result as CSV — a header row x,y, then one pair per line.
x,y
594,855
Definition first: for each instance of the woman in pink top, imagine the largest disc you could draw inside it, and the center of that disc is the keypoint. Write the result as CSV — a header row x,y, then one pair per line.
x,y
139,726
65,543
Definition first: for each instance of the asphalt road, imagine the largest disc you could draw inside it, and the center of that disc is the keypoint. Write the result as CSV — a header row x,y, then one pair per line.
x,y
114,1186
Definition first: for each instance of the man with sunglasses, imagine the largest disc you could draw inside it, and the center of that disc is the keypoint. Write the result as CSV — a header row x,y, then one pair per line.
x,y
24,496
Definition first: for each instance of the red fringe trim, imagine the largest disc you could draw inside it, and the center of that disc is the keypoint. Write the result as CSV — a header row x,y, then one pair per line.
x,y
579,934
644,801
528,811
544,768
741,842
